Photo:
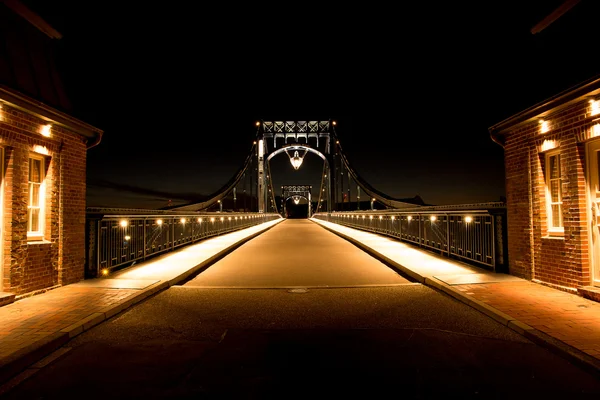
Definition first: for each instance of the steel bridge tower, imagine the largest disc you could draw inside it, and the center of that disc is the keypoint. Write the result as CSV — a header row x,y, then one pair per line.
x,y
294,138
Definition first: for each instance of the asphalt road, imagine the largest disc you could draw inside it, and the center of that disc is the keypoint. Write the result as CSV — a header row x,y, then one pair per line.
x,y
404,340
297,253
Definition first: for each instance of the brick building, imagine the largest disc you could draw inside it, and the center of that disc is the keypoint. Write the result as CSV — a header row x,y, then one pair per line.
x,y
43,152
552,165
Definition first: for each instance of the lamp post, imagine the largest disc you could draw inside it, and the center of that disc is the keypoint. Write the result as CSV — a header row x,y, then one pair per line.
x,y
220,205
372,202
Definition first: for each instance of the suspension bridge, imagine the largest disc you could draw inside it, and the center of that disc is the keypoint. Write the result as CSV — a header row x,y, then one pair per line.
x,y
475,233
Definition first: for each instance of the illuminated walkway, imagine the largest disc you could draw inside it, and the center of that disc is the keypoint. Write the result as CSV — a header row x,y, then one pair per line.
x,y
33,327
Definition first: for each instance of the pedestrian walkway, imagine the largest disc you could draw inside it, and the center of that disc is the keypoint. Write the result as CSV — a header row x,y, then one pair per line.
x,y
33,327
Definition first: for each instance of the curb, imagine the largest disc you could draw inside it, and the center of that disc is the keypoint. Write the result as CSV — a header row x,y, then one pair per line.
x,y
20,360
570,353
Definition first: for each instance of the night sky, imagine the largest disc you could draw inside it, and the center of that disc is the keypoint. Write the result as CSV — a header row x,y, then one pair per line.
x,y
177,87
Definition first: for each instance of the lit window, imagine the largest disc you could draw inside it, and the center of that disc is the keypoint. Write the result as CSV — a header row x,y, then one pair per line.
x,y
553,193
35,202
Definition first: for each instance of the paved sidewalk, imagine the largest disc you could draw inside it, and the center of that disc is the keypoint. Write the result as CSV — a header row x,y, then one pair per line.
x,y
563,322
34,327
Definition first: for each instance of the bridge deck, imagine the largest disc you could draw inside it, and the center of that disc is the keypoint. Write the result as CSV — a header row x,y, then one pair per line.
x,y
297,253
35,326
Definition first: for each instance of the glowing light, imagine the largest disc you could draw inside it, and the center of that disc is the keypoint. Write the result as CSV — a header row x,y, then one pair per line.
x,y
182,220
380,217
229,218
549,144
105,271
594,107
46,130
212,219
409,218
159,222
370,217
40,149
544,126
596,130
296,199
433,218
127,237
296,160
393,218
222,219
363,217
257,123
468,219
123,223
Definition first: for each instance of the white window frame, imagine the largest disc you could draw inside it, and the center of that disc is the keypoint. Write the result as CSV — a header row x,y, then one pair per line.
x,y
41,201
552,229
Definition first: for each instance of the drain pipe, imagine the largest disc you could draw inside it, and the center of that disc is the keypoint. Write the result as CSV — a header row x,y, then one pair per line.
x,y
94,142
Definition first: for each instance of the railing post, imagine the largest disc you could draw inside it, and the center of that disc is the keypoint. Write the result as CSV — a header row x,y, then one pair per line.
x,y
448,234
98,247
420,233
400,226
145,238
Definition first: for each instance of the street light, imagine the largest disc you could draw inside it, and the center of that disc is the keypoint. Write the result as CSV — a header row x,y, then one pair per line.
x,y
372,202
296,160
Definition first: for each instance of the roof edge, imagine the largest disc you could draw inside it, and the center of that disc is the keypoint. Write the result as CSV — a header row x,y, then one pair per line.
x,y
33,18
45,112
583,89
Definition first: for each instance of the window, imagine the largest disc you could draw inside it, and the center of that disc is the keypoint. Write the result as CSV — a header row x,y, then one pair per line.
x,y
35,202
554,193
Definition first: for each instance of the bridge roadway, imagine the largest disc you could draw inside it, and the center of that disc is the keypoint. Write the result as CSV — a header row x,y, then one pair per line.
x,y
297,253
297,312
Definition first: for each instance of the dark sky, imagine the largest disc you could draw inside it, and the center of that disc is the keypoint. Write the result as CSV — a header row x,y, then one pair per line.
x,y
177,87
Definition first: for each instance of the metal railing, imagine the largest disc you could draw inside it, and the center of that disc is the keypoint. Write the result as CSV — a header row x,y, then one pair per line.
x,y
475,233
117,238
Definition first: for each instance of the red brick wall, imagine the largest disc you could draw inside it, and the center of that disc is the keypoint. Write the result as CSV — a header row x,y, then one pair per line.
x,y
59,258
562,261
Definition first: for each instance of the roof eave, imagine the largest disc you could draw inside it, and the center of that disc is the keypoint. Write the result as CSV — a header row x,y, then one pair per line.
x,y
47,113
585,89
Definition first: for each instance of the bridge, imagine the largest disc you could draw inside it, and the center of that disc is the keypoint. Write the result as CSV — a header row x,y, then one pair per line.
x,y
472,233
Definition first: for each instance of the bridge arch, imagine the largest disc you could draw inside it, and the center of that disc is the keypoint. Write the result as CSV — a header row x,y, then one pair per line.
x,y
293,191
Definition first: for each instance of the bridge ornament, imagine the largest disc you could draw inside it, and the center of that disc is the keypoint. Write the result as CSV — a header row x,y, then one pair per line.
x,y
296,160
